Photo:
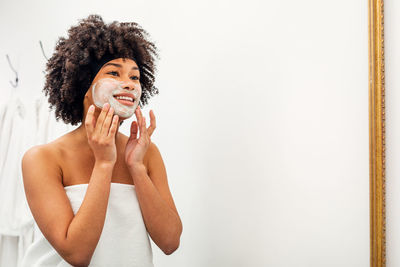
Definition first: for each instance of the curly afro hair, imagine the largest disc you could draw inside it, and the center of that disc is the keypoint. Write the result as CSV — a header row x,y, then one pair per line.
x,y
69,73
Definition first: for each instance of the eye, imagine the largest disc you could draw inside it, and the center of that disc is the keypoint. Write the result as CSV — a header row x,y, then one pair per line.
x,y
135,78
114,73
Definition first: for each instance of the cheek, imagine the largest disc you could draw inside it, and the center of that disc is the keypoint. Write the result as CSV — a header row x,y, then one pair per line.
x,y
137,92
104,92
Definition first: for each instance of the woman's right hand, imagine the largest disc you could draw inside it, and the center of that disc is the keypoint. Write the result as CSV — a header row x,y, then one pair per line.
x,y
101,133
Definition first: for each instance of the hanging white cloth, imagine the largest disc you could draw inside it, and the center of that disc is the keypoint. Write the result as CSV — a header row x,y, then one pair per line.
x,y
24,123
17,136
15,218
8,111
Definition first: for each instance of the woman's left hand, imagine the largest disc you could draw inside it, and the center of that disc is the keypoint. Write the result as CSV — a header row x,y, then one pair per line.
x,y
136,148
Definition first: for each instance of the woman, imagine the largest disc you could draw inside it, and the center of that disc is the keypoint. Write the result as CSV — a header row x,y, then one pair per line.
x,y
95,193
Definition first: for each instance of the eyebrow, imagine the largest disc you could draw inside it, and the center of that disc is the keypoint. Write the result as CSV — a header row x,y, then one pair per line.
x,y
118,65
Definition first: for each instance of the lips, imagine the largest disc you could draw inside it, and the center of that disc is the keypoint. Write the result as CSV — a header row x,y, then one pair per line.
x,y
126,102
126,94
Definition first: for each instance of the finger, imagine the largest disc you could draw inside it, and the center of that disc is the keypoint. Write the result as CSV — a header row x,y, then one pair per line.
x,y
140,112
113,127
107,121
140,126
138,118
89,120
138,115
152,126
144,126
134,130
100,119
143,130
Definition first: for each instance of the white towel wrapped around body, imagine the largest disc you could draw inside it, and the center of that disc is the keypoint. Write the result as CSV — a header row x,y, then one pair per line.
x,y
124,240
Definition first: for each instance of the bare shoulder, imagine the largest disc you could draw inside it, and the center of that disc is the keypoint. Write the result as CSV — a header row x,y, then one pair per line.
x,y
154,158
158,174
44,157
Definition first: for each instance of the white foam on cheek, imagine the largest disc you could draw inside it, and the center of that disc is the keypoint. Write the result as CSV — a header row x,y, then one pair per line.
x,y
103,91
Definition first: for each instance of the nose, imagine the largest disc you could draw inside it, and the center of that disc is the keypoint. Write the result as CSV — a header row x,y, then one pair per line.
x,y
128,85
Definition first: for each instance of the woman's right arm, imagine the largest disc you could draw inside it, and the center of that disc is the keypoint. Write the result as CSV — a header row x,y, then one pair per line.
x,y
74,237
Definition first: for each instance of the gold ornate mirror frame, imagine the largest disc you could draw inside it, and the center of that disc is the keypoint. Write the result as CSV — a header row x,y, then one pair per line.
x,y
377,134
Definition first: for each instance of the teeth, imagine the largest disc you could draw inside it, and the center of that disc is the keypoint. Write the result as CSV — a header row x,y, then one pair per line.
x,y
125,98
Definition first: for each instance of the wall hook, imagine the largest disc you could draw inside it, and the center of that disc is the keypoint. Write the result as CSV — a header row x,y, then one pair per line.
x,y
41,47
16,73
44,54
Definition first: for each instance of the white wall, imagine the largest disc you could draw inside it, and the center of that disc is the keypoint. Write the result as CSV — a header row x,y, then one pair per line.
x,y
392,66
262,120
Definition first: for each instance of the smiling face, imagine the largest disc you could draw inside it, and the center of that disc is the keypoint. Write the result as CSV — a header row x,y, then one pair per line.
x,y
116,83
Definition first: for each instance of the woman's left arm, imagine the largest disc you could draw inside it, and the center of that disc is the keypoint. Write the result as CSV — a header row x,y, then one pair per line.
x,y
156,203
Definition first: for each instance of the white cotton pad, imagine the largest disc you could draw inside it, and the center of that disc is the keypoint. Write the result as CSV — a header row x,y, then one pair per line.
x,y
104,90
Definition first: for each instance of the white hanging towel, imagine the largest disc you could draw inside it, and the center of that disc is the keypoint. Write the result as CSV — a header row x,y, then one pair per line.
x,y
17,137
24,123
27,122
124,240
9,110
16,221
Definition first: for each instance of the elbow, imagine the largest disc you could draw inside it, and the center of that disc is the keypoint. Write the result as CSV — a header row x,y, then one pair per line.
x,y
171,247
78,261
76,258
172,244
74,253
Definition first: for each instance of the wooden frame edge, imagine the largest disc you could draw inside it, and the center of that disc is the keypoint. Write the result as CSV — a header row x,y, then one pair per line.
x,y
377,134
